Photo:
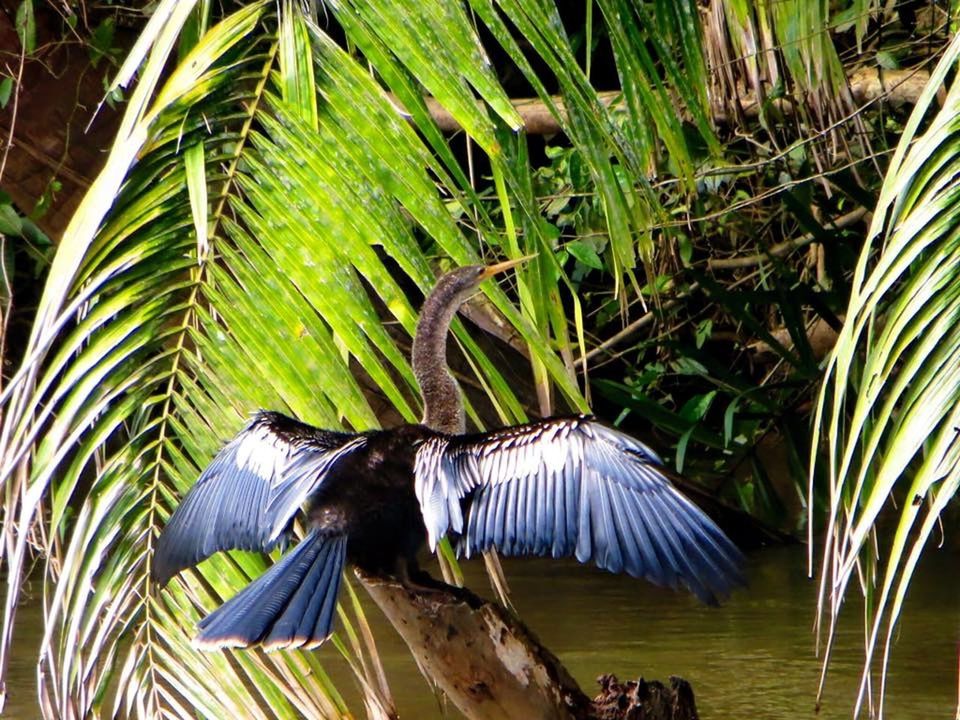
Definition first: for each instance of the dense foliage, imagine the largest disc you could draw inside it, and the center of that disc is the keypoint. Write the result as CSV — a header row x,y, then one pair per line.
x,y
281,191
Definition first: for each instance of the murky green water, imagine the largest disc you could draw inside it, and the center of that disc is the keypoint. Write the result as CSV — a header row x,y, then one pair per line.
x,y
752,658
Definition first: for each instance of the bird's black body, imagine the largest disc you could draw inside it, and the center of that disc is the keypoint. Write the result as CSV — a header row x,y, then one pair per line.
x,y
560,487
370,495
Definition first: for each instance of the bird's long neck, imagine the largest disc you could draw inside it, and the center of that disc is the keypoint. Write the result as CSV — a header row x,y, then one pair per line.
x,y
442,407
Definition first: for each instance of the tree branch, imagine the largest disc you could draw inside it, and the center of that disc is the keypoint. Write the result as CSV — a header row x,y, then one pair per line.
x,y
866,85
493,668
781,249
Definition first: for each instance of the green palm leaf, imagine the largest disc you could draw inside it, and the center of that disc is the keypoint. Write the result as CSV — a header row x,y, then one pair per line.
x,y
255,223
888,411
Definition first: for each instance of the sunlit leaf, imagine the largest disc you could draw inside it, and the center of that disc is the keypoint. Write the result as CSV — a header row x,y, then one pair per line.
x,y
887,414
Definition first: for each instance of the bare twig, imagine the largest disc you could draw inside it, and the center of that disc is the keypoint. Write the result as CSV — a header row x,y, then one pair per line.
x,y
781,249
13,114
47,161
6,305
643,320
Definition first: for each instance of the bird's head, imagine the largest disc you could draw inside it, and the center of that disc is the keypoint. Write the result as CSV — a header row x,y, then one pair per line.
x,y
443,410
461,281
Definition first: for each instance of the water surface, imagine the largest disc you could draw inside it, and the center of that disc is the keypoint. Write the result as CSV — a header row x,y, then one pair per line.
x,y
751,658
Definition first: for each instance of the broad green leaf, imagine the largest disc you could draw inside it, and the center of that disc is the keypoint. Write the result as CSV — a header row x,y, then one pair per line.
x,y
197,190
6,89
26,26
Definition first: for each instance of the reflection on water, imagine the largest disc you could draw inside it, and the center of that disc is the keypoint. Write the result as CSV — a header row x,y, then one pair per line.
x,y
752,658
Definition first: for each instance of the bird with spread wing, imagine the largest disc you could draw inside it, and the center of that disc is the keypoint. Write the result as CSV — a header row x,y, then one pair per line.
x,y
559,487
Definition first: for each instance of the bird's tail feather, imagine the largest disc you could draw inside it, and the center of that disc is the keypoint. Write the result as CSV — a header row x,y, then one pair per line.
x,y
290,605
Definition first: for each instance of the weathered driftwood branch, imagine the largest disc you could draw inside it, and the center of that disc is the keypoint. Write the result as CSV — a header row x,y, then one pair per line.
x,y
492,667
485,661
866,85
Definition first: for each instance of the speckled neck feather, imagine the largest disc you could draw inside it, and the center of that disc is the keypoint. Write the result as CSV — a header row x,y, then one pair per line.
x,y
442,407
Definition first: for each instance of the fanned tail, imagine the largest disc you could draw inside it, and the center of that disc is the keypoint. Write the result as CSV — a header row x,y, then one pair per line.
x,y
291,605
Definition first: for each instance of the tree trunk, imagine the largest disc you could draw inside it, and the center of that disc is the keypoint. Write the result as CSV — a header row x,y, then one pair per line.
x,y
492,667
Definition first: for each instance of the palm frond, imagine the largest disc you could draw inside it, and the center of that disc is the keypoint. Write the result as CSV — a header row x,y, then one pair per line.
x,y
258,219
888,410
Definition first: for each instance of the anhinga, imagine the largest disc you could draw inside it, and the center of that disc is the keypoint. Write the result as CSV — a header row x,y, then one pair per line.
x,y
560,487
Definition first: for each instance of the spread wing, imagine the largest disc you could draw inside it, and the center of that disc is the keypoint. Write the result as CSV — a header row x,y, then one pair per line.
x,y
251,490
572,486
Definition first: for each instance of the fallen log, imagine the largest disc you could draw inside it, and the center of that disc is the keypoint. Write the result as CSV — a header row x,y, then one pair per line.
x,y
867,85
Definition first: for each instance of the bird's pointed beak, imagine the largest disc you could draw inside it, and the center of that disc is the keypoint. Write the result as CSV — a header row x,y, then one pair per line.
x,y
490,270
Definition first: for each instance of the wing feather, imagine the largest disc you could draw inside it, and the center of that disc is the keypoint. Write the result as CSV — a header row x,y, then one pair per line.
x,y
509,518
628,542
537,512
645,562
476,518
572,486
498,518
247,496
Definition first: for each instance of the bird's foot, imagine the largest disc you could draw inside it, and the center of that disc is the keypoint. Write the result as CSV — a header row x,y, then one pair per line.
x,y
420,582
417,580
